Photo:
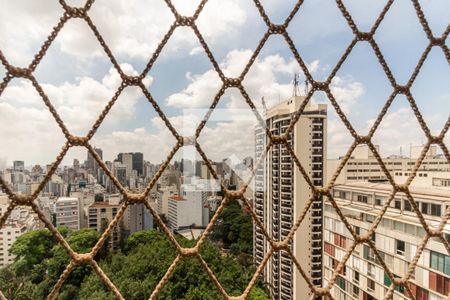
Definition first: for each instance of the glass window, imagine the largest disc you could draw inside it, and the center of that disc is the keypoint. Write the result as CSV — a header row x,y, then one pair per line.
x,y
410,229
355,277
356,291
341,282
379,201
400,247
435,210
407,205
398,204
425,208
440,262
398,226
370,285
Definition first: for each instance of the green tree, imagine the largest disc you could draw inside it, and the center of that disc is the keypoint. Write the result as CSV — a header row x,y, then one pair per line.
x,y
234,230
30,249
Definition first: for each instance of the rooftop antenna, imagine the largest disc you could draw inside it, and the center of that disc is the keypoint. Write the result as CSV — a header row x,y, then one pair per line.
x,y
264,105
401,151
306,87
294,92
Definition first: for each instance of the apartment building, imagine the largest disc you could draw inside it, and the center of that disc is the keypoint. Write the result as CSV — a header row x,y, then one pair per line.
x,y
100,214
397,238
20,221
68,212
188,209
281,193
363,166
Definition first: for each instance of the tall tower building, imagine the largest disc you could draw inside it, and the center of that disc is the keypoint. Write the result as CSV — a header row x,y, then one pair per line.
x,y
127,160
138,163
92,164
281,194
19,165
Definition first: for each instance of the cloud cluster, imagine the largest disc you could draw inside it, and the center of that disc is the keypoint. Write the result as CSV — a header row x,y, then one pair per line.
x,y
137,29
27,123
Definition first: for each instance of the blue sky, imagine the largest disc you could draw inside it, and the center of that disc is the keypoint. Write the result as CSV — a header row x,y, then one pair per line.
x,y
79,80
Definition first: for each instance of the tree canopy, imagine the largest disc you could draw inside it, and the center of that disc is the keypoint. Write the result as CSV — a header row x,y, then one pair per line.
x,y
135,270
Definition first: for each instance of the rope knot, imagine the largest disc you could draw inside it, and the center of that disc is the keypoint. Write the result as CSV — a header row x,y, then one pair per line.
x,y
320,86
19,72
83,258
135,198
184,21
437,41
21,199
364,36
277,28
279,139
232,82
402,89
77,140
132,80
76,12
189,140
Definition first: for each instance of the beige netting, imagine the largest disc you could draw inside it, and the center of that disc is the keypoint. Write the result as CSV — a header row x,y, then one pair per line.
x,y
272,29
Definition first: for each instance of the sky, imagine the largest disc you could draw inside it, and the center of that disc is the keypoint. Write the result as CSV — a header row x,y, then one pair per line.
x,y
79,78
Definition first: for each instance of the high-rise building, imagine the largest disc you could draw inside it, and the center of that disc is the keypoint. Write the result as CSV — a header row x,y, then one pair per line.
x,y
91,163
68,212
396,239
281,193
127,160
138,163
19,166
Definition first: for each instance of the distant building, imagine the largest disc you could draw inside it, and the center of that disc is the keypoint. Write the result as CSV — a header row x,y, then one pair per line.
x,y
188,209
19,165
91,164
68,212
20,221
363,166
163,198
101,214
138,163
140,218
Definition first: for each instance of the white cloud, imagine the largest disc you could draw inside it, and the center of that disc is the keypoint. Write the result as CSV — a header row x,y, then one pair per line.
x,y
399,128
261,81
137,29
346,91
27,124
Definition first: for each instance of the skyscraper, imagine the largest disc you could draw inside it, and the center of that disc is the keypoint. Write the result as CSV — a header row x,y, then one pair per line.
x,y
19,165
92,165
138,163
281,193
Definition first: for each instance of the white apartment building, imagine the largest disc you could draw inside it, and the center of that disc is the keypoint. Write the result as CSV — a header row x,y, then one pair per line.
x,y
20,221
188,209
363,166
164,194
68,212
281,193
396,238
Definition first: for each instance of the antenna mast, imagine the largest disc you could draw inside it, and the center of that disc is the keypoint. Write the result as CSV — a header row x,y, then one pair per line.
x,y
264,105
294,92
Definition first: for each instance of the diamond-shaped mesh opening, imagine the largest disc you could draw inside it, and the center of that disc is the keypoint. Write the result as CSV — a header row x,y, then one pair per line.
x,y
73,248
316,40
